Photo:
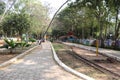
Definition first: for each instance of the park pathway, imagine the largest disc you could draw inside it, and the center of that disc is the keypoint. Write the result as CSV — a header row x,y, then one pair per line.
x,y
38,65
108,52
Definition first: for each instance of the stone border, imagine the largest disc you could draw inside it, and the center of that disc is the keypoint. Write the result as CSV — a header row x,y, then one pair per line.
x,y
11,61
83,76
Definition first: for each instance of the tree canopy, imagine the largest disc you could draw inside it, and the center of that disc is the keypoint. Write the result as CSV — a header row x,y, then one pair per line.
x,y
25,16
90,18
16,24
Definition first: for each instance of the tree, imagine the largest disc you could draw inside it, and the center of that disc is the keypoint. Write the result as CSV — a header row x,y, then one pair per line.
x,y
114,7
40,19
33,11
16,24
37,12
77,19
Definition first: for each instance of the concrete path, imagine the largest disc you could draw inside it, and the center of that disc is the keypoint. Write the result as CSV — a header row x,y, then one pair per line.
x,y
112,53
38,65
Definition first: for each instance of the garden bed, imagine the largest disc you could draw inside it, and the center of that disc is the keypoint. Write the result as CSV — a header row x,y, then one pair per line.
x,y
5,54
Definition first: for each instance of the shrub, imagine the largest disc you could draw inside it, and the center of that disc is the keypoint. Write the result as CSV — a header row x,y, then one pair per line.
x,y
10,44
32,40
23,44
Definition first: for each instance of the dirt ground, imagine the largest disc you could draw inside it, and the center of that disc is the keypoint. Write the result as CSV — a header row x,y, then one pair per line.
x,y
80,66
6,57
5,54
105,62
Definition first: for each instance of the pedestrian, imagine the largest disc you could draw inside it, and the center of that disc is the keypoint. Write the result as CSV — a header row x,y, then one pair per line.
x,y
40,42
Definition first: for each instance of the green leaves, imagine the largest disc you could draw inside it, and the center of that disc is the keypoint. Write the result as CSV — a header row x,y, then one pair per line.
x,y
2,7
85,17
26,16
11,44
22,44
32,40
16,23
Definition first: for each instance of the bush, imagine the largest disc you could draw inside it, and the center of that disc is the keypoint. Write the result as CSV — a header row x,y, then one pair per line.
x,y
23,44
32,40
10,44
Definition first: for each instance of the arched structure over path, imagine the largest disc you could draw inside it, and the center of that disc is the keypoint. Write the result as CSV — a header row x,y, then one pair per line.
x,y
54,17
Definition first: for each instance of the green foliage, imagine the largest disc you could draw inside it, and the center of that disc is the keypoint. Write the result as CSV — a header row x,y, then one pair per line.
x,y
16,23
25,18
57,33
89,18
2,7
32,40
11,44
23,44
74,19
58,46
37,12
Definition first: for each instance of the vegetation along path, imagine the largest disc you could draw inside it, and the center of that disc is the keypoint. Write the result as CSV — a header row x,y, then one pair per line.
x,y
39,65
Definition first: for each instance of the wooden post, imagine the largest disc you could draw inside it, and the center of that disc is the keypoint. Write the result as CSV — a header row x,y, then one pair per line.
x,y
97,45
45,37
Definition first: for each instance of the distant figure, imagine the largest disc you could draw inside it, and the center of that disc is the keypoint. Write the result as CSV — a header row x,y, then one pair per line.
x,y
39,42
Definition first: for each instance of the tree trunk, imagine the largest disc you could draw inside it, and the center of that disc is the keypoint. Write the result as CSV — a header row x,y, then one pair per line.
x,y
106,31
101,38
116,29
117,12
116,36
82,32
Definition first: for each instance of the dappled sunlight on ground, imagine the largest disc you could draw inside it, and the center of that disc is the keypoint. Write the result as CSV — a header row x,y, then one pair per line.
x,y
29,62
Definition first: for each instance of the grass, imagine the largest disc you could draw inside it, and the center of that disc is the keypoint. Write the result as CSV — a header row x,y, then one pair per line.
x,y
58,46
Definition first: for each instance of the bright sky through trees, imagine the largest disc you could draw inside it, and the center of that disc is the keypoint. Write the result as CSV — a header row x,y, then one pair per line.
x,y
54,5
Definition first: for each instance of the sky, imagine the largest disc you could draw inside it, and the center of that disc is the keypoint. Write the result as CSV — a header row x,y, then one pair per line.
x,y
54,5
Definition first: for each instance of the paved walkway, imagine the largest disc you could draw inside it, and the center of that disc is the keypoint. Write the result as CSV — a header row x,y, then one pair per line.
x,y
38,65
108,52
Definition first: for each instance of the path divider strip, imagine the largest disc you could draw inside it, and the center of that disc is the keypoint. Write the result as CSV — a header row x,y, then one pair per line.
x,y
81,75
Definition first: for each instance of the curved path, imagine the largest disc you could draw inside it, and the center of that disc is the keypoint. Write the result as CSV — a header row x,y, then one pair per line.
x,y
38,65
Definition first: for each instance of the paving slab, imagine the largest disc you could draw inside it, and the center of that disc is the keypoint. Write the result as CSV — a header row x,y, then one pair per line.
x,y
38,65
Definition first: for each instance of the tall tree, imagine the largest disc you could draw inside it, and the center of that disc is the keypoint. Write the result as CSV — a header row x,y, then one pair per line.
x,y
16,24
37,12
